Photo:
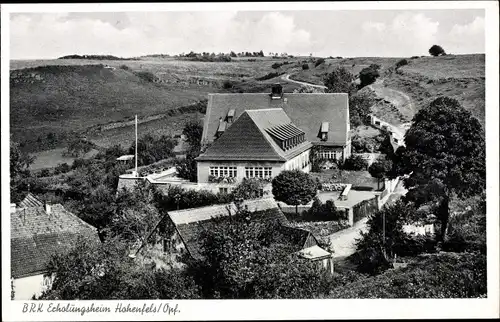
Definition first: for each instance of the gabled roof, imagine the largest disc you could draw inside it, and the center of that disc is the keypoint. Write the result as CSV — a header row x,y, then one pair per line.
x,y
249,139
306,110
190,223
314,253
30,201
36,236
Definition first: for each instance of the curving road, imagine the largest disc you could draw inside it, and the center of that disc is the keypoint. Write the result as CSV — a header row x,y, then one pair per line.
x,y
287,79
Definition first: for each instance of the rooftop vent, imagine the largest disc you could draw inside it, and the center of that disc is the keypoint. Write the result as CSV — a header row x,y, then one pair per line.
x,y
276,91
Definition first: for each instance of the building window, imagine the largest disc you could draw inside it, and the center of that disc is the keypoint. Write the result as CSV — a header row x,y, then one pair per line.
x,y
223,190
258,172
223,172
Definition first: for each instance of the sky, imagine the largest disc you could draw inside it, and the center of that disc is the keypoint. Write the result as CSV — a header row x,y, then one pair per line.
x,y
381,33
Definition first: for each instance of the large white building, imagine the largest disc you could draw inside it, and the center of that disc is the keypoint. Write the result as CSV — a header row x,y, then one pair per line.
x,y
259,134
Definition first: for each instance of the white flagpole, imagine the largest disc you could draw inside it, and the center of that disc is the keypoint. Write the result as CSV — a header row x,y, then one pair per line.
x,y
136,173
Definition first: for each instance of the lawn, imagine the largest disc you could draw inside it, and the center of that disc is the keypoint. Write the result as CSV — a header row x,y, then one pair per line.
x,y
54,157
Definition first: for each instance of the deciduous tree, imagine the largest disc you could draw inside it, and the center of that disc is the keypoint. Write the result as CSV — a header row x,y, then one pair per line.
x,y
444,155
340,80
294,187
379,169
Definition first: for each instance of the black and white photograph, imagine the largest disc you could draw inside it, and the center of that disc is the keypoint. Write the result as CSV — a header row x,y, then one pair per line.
x,y
268,151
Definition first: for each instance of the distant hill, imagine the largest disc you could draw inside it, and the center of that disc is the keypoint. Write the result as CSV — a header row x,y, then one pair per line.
x,y
50,104
95,57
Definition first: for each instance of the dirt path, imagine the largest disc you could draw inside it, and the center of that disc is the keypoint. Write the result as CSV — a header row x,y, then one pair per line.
x,y
399,99
344,242
287,79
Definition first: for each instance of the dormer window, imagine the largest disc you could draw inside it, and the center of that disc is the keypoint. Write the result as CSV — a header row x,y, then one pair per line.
x,y
287,136
221,128
230,116
324,131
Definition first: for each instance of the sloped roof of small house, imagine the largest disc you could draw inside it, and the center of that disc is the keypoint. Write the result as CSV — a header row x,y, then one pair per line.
x,y
314,253
30,201
37,235
250,138
190,223
307,111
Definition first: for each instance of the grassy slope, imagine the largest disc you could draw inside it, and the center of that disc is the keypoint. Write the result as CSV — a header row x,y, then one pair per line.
x,y
78,97
460,77
423,79
73,98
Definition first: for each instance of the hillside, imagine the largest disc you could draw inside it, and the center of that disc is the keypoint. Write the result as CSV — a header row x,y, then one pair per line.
x,y
56,101
413,86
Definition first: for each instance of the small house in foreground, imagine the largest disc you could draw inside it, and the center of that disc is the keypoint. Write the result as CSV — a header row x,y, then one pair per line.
x,y
37,232
190,223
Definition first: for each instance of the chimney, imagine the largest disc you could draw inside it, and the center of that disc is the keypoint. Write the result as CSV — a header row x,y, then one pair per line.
x,y
276,91
13,208
48,208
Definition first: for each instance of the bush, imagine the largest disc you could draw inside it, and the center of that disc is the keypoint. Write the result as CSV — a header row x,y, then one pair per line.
x,y
305,67
62,168
324,212
436,50
319,62
269,76
124,67
400,63
340,80
276,65
368,76
227,84
444,275
78,147
146,76
45,173
355,163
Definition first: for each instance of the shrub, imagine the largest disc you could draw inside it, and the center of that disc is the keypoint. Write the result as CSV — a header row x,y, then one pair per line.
x,y
146,76
327,211
400,63
62,168
44,173
78,147
355,163
276,65
269,76
368,76
227,84
319,62
305,67
436,50
124,67
444,275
